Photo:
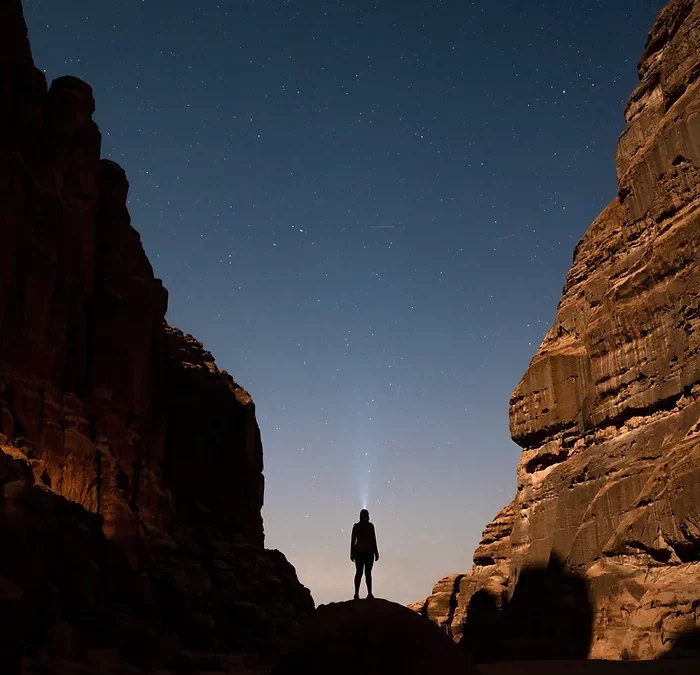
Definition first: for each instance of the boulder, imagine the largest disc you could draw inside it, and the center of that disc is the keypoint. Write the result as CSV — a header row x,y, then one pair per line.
x,y
373,637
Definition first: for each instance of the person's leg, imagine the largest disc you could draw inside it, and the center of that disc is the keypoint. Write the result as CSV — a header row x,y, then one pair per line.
x,y
369,562
358,575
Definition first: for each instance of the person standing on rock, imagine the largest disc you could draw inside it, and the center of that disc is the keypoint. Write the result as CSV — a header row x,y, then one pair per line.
x,y
363,552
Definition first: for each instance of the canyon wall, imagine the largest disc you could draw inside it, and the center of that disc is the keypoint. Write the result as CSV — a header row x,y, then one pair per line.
x,y
113,425
608,412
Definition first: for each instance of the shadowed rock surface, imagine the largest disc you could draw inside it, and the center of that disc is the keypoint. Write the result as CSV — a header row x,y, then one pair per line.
x,y
130,465
608,412
548,616
372,637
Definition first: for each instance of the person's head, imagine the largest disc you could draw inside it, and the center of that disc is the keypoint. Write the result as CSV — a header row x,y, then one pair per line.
x,y
364,515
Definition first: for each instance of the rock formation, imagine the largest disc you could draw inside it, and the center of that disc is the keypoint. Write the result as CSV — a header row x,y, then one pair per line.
x,y
130,465
447,605
373,637
608,412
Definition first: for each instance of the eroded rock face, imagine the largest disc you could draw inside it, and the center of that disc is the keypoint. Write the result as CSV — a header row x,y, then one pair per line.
x,y
608,412
104,405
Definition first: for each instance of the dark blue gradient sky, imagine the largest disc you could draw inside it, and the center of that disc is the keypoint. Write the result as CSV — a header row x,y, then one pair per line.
x,y
365,210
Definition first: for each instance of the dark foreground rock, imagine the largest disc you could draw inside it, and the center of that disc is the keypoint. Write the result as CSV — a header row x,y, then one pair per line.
x,y
592,667
131,477
608,412
372,637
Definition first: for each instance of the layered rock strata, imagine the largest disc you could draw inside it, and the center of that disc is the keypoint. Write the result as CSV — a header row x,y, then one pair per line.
x,y
608,412
122,445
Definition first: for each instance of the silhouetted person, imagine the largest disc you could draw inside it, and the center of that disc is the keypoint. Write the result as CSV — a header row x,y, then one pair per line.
x,y
363,552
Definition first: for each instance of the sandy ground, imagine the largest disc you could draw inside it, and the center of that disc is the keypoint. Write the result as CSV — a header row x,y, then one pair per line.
x,y
670,667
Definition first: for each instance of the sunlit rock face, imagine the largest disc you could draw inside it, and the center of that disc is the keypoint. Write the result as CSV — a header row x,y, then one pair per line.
x,y
608,412
104,403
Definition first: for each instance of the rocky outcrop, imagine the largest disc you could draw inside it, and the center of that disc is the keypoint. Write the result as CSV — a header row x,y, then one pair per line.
x,y
448,602
608,412
373,637
113,425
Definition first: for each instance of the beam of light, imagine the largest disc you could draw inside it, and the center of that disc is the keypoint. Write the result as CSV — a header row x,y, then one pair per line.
x,y
365,453
365,444
364,473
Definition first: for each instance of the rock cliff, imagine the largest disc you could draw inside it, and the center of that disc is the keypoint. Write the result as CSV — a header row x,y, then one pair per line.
x,y
127,458
608,412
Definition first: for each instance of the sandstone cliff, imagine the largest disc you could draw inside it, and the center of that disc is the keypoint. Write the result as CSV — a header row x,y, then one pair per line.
x,y
608,412
102,404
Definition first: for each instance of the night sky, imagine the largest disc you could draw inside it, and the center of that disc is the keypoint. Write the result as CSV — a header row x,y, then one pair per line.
x,y
366,211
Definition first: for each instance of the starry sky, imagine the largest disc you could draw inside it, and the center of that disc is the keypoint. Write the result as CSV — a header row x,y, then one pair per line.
x,y
366,210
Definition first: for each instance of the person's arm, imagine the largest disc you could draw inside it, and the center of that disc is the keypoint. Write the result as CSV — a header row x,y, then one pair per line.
x,y
352,543
374,538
